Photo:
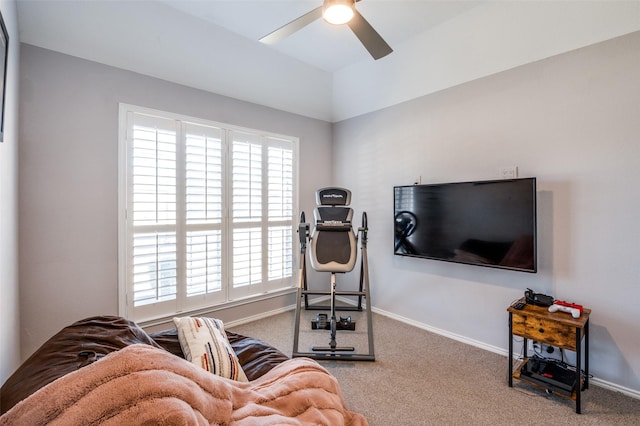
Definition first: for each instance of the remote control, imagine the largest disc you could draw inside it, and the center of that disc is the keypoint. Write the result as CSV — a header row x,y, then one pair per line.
x,y
519,305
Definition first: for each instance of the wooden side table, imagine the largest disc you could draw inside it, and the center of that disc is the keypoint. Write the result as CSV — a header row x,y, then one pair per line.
x,y
558,329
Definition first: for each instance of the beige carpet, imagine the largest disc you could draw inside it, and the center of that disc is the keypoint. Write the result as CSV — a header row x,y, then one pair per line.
x,y
421,378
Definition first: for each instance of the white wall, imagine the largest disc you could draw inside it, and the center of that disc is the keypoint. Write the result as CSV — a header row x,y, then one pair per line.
x,y
9,306
68,173
152,39
492,37
572,122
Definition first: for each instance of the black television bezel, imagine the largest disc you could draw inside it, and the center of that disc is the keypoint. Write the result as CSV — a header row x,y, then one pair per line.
x,y
493,266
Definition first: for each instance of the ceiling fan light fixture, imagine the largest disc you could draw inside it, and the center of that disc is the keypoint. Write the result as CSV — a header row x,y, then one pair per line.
x,y
338,12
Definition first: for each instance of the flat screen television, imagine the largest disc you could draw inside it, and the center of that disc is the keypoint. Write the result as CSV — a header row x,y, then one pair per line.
x,y
486,223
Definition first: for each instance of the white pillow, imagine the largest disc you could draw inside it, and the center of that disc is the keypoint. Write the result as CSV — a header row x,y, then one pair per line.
x,y
204,343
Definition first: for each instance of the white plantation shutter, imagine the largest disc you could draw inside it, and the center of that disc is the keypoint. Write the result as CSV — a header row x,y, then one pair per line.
x,y
208,213
154,267
262,212
203,214
152,175
246,212
247,257
247,171
280,198
280,248
204,262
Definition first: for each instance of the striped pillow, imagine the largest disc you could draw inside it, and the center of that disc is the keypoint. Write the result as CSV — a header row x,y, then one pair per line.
x,y
204,343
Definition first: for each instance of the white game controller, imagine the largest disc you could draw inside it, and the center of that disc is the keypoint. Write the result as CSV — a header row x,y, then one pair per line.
x,y
575,312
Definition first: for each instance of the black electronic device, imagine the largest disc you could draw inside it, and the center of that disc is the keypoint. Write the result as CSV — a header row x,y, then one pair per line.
x,y
538,299
485,223
550,374
519,305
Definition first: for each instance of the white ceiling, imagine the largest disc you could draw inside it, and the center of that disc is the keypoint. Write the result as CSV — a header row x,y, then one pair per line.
x,y
321,71
320,44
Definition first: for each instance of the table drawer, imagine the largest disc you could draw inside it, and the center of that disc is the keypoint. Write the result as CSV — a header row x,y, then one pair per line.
x,y
545,330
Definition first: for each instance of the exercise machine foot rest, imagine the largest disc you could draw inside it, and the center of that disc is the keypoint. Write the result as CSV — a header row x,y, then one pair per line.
x,y
322,323
336,349
328,356
315,325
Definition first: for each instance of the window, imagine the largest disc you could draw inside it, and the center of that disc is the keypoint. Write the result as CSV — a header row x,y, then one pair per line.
x,y
206,213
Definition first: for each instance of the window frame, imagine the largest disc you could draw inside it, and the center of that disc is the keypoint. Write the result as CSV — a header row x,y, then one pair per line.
x,y
228,296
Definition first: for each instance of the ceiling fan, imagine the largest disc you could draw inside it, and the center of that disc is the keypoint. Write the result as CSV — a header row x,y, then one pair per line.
x,y
336,12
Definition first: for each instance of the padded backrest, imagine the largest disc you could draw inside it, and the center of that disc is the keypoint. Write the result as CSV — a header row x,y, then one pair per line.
x,y
333,242
333,197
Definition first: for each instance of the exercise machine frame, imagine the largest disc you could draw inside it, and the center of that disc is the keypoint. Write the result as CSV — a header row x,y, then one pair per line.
x,y
333,351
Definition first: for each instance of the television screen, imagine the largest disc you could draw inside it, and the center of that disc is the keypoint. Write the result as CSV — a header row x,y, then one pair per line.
x,y
487,223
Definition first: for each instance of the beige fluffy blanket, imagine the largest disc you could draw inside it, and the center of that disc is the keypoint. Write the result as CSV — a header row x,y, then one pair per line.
x,y
144,385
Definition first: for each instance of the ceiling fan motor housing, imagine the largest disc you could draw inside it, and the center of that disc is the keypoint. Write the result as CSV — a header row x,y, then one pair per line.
x,y
338,12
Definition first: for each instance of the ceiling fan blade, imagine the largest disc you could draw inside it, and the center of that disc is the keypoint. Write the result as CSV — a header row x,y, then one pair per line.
x,y
293,26
369,37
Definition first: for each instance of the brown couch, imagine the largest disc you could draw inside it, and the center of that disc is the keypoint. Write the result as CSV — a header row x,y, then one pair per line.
x,y
90,339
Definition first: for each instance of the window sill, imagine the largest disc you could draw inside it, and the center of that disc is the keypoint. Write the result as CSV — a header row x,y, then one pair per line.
x,y
219,307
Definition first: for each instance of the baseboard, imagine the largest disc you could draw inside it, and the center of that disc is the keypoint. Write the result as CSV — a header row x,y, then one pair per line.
x,y
441,332
614,387
491,348
273,312
258,317
495,349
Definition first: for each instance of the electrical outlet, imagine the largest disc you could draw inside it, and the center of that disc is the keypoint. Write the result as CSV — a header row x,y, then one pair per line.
x,y
509,172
